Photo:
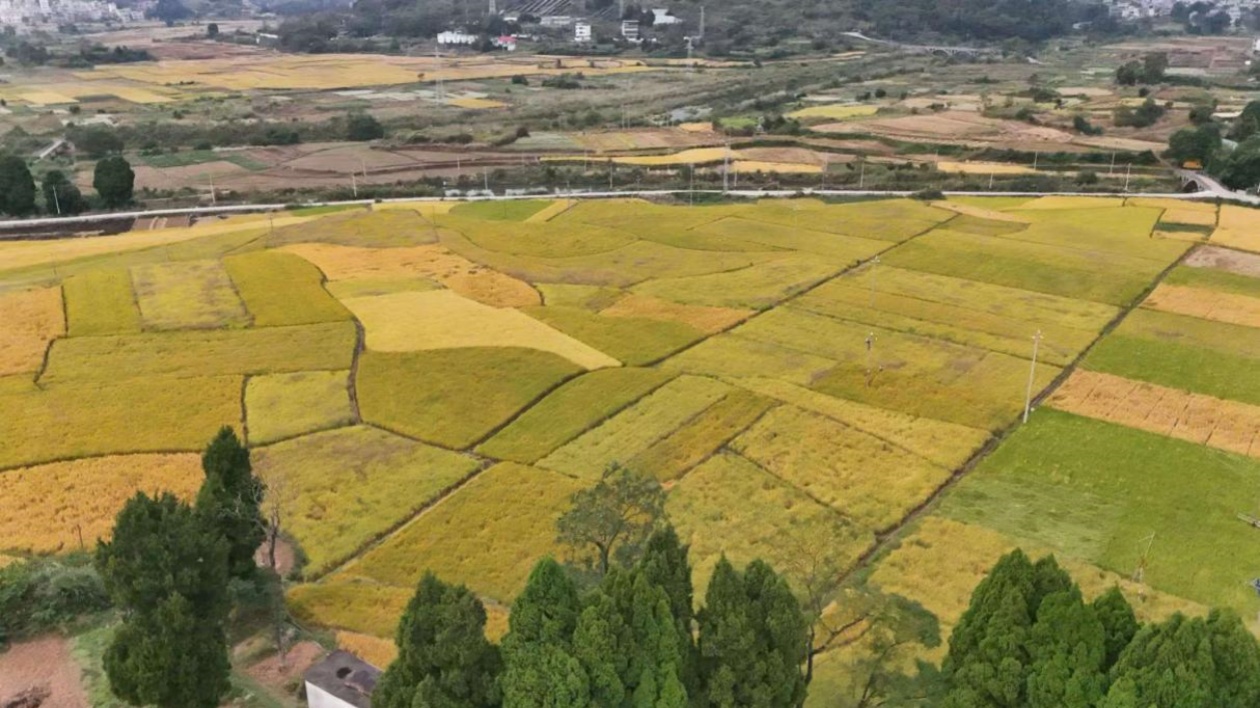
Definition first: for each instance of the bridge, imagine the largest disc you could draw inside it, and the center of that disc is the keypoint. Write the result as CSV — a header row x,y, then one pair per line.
x,y
934,49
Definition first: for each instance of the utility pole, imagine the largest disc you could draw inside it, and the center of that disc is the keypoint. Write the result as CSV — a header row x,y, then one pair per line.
x,y
57,201
726,168
1111,171
1032,372
693,184
1139,573
441,92
874,263
213,199
354,185
701,22
870,347
990,181
1128,170
485,174
862,175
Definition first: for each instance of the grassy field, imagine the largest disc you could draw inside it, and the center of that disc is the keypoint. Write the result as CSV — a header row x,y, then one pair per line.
x,y
515,210
633,340
446,396
341,489
1038,488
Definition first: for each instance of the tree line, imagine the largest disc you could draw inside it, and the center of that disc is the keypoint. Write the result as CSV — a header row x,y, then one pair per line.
x,y
113,179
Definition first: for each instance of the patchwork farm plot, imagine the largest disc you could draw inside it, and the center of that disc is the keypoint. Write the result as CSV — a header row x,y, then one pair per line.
x,y
424,387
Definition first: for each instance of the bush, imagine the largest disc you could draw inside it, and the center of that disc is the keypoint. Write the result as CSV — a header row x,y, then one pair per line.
x,y
47,593
362,127
520,80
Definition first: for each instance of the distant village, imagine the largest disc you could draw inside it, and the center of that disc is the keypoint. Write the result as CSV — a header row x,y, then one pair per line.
x,y
50,14
563,17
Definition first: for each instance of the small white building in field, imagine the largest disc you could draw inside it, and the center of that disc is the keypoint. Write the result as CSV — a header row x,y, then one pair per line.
x,y
341,680
582,32
453,37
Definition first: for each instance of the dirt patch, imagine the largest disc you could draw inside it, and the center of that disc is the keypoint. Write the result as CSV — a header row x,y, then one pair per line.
x,y
42,664
1206,304
1226,260
286,557
278,674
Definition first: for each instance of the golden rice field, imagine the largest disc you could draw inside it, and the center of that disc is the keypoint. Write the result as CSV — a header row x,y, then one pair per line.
x,y
424,387
835,111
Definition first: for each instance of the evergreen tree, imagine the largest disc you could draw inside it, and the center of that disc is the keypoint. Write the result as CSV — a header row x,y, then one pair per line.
x,y
230,500
665,564
988,659
168,574
444,659
168,657
17,187
1166,664
1067,649
753,639
114,180
540,669
61,196
1118,622
597,644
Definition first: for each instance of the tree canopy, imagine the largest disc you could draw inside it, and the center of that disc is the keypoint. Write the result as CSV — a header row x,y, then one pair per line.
x,y
611,520
17,187
230,500
114,181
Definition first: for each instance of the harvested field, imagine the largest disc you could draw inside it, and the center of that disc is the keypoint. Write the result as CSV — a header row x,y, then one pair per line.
x,y
984,168
1238,227
187,295
282,289
91,419
587,297
1214,280
1206,304
391,477
754,166
730,506
1225,259
641,139
835,111
453,271
279,406
871,482
455,397
1219,423
44,509
487,535
32,319
268,350
101,302
569,411
709,320
635,429
416,321
637,341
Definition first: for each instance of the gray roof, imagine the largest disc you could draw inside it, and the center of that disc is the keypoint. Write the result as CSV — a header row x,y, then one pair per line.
x,y
345,676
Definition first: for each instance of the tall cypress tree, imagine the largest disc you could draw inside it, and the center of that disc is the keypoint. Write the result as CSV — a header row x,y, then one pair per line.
x,y
444,658
540,668
987,663
168,572
230,500
665,564
1118,621
753,639
1067,648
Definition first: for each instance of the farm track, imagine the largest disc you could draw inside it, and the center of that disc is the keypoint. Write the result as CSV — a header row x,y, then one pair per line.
x,y
887,538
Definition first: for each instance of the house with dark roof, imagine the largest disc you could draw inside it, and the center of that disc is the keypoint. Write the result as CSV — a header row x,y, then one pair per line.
x,y
341,680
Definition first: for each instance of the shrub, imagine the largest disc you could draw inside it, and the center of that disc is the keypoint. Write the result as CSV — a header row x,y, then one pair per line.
x,y
46,593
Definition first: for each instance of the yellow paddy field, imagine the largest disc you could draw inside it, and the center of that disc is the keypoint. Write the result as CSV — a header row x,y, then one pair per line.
x,y
430,384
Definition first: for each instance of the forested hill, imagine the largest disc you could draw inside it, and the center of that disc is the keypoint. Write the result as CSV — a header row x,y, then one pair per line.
x,y
735,26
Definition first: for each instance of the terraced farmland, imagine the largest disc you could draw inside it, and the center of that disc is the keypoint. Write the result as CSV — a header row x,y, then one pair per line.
x,y
424,388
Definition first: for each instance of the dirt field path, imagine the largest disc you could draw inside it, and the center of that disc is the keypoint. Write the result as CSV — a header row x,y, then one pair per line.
x,y
42,664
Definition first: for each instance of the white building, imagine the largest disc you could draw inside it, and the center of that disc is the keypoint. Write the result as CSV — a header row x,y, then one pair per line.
x,y
341,680
556,20
630,30
26,15
582,32
456,37
661,16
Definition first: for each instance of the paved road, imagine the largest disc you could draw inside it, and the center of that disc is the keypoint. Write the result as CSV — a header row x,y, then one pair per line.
x,y
12,226
1209,185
